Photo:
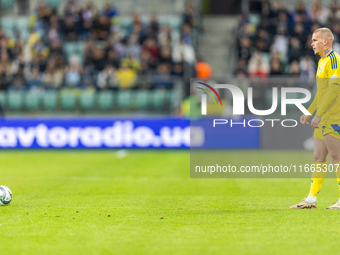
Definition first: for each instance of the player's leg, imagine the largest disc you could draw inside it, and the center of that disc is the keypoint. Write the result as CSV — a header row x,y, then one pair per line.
x,y
332,141
319,158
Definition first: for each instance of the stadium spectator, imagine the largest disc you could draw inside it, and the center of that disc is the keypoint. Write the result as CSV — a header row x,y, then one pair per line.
x,y
87,15
307,67
294,69
70,29
34,81
241,66
275,67
126,77
107,57
319,13
112,58
165,36
186,34
18,81
72,76
107,78
5,63
245,49
162,77
300,14
189,13
287,33
259,65
102,28
98,59
300,33
4,81
295,50
133,48
183,53
131,62
137,26
165,56
151,47
110,11
54,75
280,42
153,26
71,9
178,70
203,69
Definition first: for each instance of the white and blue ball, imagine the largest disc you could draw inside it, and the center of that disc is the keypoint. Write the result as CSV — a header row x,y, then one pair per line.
x,y
5,195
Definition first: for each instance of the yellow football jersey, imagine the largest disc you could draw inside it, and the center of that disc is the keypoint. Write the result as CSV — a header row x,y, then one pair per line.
x,y
327,98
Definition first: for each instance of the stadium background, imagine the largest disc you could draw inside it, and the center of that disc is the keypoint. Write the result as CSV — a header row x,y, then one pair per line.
x,y
135,58
116,74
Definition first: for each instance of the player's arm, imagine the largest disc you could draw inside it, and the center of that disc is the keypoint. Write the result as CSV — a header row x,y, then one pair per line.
x,y
311,109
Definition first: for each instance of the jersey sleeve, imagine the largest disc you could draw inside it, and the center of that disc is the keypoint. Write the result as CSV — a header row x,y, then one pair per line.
x,y
333,72
333,88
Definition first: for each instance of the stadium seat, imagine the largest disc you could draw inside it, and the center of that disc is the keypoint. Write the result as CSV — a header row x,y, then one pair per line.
x,y
22,22
15,100
174,98
124,99
158,98
105,100
254,19
74,49
87,99
7,4
50,100
68,100
174,22
80,47
7,24
69,49
124,22
54,3
32,100
142,99
3,98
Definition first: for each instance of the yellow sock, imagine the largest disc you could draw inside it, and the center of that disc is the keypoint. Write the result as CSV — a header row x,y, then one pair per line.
x,y
317,180
338,175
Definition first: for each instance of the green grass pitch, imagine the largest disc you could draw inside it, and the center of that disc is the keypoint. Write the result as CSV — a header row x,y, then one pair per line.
x,y
92,202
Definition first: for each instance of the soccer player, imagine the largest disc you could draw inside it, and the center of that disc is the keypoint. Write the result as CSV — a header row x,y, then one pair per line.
x,y
326,122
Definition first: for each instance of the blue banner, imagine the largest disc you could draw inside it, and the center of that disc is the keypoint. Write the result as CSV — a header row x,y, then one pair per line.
x,y
79,133
242,133
120,133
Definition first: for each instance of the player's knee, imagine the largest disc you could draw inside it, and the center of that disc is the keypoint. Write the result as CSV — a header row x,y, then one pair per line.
x,y
335,159
319,158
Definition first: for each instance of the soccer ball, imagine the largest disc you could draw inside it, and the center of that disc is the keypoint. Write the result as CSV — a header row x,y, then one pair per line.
x,y
5,195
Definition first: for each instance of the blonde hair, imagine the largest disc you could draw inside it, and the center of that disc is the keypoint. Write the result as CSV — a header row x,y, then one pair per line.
x,y
325,33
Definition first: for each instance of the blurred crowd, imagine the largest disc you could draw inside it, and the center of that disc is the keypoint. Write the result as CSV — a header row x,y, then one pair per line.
x,y
109,58
278,41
